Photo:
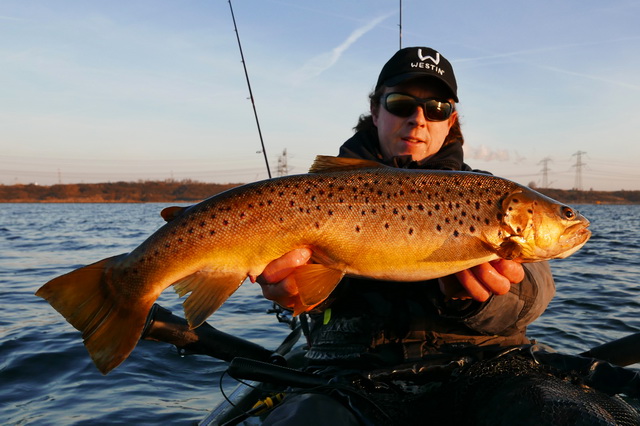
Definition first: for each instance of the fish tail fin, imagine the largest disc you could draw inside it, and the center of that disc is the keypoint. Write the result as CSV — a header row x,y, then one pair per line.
x,y
110,328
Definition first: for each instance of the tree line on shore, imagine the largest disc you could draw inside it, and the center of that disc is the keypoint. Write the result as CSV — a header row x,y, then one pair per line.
x,y
193,191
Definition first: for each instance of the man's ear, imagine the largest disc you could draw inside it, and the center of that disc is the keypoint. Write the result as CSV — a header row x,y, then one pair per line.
x,y
374,115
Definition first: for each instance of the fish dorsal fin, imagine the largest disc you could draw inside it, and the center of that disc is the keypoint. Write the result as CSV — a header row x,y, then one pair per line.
x,y
315,284
327,163
171,213
209,290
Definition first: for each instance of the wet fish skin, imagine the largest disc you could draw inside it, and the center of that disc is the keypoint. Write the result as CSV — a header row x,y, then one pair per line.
x,y
382,223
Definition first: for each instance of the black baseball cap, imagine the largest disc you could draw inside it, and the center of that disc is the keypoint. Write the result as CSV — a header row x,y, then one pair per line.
x,y
413,62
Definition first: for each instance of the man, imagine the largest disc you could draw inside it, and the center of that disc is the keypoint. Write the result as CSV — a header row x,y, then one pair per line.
x,y
366,324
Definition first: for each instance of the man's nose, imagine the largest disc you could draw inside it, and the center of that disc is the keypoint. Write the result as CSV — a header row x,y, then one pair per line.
x,y
418,117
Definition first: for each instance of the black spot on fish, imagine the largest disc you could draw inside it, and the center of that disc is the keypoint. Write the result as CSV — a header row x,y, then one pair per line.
x,y
330,212
439,228
395,211
437,207
317,225
225,222
456,233
374,211
410,231
364,212
530,211
357,228
212,232
191,230
213,216
499,216
409,207
472,229
477,205
446,219
420,207
386,225
489,202
487,221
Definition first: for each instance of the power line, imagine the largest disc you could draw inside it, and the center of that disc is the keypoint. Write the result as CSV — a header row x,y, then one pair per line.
x,y
545,171
578,166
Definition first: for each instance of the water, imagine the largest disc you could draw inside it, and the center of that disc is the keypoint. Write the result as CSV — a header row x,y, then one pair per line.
x,y
46,376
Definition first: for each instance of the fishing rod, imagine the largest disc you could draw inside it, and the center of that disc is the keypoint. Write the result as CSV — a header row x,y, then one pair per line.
x,y
253,103
400,25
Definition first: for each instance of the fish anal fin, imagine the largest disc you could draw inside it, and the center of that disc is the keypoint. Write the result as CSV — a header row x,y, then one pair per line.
x,y
170,213
315,284
110,326
209,290
326,163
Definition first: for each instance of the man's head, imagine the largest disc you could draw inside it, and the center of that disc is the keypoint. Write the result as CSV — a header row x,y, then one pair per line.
x,y
413,106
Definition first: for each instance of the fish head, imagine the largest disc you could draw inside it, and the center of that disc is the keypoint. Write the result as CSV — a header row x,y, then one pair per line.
x,y
539,228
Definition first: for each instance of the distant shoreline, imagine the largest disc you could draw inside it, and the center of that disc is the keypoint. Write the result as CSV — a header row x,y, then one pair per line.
x,y
189,191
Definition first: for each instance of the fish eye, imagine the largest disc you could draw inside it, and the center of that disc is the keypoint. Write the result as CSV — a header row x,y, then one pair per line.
x,y
568,213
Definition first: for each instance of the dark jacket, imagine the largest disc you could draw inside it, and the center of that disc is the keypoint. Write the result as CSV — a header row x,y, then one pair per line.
x,y
387,323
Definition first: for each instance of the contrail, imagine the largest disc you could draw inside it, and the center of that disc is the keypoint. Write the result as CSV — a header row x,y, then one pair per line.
x,y
322,62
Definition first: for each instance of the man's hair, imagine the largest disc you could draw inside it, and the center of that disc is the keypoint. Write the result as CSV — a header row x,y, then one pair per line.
x,y
365,121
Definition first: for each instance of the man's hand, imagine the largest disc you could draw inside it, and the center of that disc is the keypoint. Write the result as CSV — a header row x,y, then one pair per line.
x,y
478,283
481,281
277,281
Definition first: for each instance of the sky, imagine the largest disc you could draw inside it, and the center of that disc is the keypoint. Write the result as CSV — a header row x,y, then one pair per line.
x,y
106,91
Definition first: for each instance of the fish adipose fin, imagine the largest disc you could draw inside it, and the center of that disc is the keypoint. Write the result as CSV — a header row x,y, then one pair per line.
x,y
170,213
316,284
209,290
110,328
326,164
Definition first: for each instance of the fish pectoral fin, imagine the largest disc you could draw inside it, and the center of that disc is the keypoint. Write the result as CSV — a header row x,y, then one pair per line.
x,y
170,213
315,284
509,250
209,290
327,163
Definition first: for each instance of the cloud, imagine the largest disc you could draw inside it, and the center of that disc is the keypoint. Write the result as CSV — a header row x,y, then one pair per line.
x,y
322,62
485,153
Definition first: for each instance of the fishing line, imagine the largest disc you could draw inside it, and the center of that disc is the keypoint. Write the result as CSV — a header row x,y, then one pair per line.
x,y
253,103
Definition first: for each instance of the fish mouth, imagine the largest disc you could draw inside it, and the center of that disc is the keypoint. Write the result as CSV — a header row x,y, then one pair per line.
x,y
574,238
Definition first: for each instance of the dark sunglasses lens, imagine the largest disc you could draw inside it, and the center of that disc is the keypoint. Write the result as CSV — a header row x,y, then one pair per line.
x,y
404,106
437,111
400,105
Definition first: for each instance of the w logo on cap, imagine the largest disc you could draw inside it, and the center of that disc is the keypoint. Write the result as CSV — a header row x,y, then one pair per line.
x,y
423,58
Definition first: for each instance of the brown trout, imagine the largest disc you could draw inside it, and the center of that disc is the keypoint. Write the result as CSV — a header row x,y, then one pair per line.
x,y
358,217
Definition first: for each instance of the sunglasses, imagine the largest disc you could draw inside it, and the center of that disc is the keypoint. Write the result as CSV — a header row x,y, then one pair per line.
x,y
403,105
